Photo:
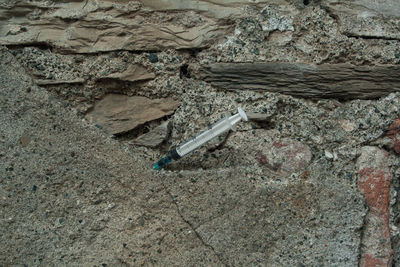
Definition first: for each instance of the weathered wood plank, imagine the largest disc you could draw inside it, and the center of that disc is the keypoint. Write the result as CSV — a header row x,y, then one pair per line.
x,y
343,81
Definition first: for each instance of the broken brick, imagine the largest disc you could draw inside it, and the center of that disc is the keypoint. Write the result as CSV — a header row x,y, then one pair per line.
x,y
374,182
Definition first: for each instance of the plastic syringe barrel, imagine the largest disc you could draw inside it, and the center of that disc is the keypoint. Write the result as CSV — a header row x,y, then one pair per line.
x,y
215,130
218,128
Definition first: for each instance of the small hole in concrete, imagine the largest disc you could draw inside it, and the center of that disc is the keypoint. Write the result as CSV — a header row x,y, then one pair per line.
x,y
184,72
306,2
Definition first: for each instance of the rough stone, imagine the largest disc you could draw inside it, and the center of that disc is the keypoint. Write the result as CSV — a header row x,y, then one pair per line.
x,y
364,18
285,155
155,136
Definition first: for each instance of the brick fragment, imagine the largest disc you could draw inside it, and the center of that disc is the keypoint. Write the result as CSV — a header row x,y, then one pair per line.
x,y
374,182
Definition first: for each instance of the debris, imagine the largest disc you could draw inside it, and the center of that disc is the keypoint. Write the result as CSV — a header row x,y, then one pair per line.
x,y
328,154
153,58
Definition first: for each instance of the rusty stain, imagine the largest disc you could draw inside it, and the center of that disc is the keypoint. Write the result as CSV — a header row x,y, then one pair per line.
x,y
279,144
304,175
263,160
371,261
394,134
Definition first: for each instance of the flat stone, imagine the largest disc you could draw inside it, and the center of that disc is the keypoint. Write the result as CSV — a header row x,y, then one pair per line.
x,y
56,82
120,113
257,116
133,73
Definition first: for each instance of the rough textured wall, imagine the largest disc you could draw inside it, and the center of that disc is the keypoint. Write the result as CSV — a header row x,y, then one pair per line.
x,y
93,92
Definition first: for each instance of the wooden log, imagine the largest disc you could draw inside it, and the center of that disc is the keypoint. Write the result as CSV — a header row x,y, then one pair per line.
x,y
342,81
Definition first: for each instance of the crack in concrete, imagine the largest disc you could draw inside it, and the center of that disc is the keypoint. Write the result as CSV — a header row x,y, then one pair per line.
x,y
216,217
235,206
372,37
199,237
362,233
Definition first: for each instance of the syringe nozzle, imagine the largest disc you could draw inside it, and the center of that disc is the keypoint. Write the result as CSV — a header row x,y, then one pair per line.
x,y
162,163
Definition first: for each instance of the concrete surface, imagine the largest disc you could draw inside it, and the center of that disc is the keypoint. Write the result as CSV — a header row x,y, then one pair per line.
x,y
312,182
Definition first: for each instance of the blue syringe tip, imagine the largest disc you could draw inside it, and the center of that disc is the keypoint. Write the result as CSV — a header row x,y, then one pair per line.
x,y
156,166
162,163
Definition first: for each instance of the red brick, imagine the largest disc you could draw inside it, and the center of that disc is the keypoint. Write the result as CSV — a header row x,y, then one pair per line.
x,y
374,182
375,185
370,261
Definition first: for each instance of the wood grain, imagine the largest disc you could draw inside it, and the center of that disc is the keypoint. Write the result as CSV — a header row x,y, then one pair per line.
x,y
342,81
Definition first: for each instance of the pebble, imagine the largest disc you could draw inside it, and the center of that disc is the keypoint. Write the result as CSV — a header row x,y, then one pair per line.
x,y
153,58
328,154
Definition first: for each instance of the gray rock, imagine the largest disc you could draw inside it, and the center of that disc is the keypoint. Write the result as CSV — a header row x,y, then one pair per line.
x,y
155,136
363,18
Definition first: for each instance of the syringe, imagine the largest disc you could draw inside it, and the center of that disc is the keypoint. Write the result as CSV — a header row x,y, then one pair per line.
x,y
218,128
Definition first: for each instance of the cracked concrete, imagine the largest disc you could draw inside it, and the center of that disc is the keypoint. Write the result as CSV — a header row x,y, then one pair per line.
x,y
193,228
